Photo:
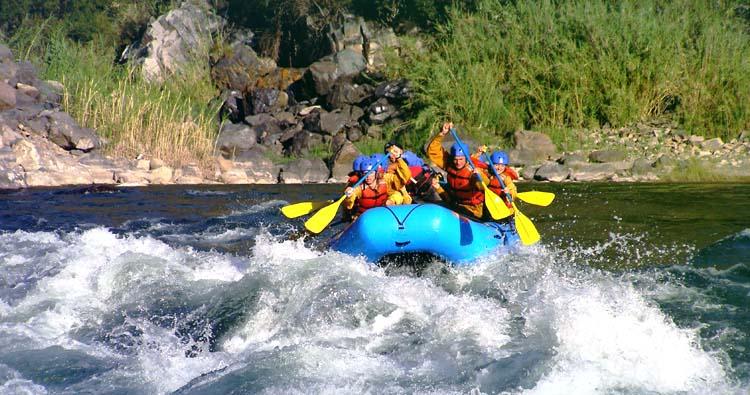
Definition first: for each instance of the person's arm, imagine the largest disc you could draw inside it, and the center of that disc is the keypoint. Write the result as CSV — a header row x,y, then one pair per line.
x,y
402,173
481,176
435,151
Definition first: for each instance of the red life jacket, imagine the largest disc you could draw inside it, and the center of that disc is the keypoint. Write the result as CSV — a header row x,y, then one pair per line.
x,y
463,186
372,198
495,184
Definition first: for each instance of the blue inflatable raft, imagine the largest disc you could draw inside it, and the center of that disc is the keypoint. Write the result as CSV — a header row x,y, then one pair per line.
x,y
422,229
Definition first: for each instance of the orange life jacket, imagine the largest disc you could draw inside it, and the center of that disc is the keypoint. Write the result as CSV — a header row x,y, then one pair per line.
x,y
372,197
463,186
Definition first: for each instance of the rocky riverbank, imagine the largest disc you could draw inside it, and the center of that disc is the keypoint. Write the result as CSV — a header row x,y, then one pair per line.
x,y
273,113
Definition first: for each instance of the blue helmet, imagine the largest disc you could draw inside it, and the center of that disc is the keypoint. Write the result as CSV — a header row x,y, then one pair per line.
x,y
460,150
378,158
365,165
357,161
412,159
500,158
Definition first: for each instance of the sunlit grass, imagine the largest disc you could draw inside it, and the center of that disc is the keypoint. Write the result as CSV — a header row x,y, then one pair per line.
x,y
554,66
172,121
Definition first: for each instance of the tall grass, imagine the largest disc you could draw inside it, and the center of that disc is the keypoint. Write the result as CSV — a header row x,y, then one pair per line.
x,y
172,121
557,66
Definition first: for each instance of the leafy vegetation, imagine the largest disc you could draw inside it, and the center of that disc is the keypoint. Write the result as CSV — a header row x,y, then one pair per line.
x,y
564,65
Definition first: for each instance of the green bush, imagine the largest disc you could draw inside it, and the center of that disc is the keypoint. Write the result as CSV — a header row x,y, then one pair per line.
x,y
573,64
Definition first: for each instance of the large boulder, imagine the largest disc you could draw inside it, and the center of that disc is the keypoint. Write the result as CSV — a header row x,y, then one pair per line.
x,y
7,97
531,148
341,163
366,38
64,131
241,69
235,138
174,39
323,74
305,171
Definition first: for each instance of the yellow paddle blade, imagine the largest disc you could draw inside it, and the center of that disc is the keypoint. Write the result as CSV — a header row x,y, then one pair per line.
x,y
322,218
526,229
495,205
537,198
303,208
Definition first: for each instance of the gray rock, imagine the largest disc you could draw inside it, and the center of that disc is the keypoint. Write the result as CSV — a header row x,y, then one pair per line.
x,y
552,171
301,143
333,122
260,119
235,138
345,92
67,134
642,166
341,163
531,147
306,171
609,155
8,70
712,145
353,133
7,97
367,38
395,91
26,74
311,121
594,172
263,100
527,173
173,39
665,162
285,118
233,106
572,158
381,111
353,114
324,73
28,90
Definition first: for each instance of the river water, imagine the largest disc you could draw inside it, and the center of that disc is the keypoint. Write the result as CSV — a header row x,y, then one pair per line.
x,y
634,289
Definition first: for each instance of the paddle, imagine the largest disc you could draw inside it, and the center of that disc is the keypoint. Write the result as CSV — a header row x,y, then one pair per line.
x,y
497,211
322,218
303,208
526,229
537,198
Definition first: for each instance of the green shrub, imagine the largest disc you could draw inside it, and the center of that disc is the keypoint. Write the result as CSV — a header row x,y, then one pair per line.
x,y
582,64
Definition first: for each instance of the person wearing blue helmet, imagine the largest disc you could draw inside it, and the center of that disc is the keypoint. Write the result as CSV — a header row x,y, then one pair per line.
x,y
373,192
465,191
354,174
500,161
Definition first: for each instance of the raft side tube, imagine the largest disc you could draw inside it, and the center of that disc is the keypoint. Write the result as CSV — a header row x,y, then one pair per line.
x,y
420,228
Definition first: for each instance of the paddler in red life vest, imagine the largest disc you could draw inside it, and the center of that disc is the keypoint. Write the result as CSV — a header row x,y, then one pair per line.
x,y
500,162
465,192
355,174
373,192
